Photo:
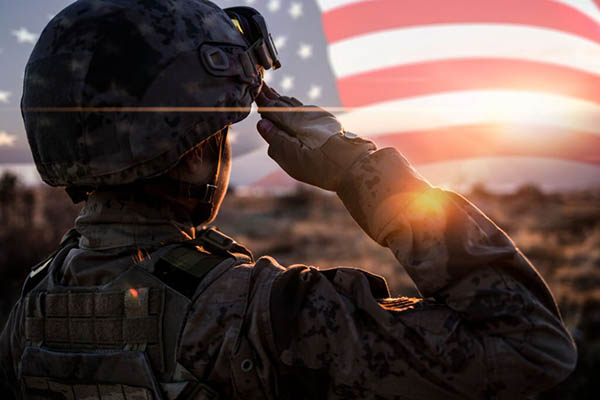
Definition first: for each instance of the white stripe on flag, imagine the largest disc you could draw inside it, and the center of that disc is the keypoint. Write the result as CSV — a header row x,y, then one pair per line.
x,y
474,107
421,44
544,111
498,173
508,173
328,5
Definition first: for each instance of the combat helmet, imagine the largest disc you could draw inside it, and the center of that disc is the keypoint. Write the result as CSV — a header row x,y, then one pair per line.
x,y
119,90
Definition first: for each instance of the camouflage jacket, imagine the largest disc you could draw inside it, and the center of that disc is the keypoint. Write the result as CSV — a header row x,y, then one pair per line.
x,y
486,326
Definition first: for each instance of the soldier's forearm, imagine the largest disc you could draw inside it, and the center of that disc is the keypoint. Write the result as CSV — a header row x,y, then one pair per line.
x,y
457,255
375,182
438,236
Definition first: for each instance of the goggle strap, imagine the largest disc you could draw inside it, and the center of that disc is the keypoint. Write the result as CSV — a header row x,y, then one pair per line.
x,y
262,54
247,64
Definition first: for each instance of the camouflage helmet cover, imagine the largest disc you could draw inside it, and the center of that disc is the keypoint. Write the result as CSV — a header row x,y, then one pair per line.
x,y
99,62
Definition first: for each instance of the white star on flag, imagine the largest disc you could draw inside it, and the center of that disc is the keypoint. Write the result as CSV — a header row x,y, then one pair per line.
x,y
296,10
274,5
287,82
6,139
267,75
305,51
233,135
24,36
314,92
4,96
280,41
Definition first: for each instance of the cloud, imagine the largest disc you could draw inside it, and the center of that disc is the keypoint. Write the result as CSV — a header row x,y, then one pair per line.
x,y
6,139
24,36
4,96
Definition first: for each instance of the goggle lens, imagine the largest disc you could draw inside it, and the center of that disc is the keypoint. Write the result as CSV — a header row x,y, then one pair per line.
x,y
237,24
253,27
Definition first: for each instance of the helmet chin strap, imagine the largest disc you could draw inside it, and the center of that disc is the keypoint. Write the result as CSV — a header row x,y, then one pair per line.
x,y
206,193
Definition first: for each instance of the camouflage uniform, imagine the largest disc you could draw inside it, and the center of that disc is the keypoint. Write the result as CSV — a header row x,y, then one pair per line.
x,y
487,326
136,303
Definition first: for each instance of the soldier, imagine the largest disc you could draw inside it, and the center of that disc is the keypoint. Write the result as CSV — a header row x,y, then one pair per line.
x,y
138,303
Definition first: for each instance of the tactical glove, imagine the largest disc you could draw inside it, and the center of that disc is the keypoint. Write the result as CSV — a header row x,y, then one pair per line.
x,y
308,142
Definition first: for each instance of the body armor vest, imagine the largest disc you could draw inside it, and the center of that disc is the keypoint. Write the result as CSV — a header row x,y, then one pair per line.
x,y
118,340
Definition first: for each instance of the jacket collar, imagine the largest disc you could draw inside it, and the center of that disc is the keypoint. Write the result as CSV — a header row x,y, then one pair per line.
x,y
126,219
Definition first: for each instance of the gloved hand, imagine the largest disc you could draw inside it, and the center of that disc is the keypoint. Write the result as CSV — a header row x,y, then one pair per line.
x,y
309,143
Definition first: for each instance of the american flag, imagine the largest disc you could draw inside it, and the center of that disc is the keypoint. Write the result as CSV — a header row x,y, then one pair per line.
x,y
496,91
504,86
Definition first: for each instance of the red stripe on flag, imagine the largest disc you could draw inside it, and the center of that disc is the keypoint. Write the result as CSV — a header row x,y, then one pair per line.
x,y
378,15
477,141
466,74
474,141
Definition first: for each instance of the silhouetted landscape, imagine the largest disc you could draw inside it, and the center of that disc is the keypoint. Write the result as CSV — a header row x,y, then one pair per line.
x,y
559,232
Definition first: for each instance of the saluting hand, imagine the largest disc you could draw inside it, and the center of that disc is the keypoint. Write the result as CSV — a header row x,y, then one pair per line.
x,y
308,142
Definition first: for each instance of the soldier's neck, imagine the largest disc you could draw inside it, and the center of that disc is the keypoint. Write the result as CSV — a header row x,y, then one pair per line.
x,y
126,219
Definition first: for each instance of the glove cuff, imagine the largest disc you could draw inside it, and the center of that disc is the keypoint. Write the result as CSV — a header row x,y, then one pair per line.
x,y
345,149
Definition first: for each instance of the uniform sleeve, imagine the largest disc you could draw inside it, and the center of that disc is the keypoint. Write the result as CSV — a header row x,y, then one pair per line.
x,y
487,326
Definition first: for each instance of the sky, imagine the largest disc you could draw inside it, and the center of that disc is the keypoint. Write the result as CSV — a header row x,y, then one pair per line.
x,y
19,29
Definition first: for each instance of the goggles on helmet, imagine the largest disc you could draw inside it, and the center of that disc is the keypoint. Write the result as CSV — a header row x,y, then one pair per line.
x,y
254,28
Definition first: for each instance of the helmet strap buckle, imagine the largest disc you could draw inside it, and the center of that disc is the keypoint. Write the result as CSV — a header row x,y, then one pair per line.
x,y
209,193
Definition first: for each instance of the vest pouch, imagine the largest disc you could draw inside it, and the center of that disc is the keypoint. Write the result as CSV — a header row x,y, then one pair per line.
x,y
100,375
